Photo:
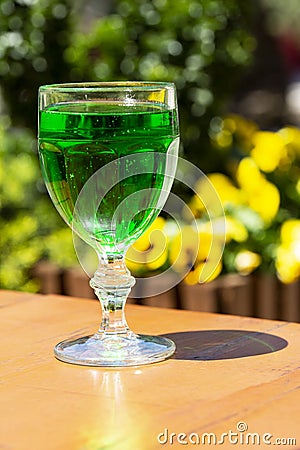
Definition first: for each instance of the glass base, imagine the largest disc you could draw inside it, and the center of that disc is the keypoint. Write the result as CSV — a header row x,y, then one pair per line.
x,y
115,350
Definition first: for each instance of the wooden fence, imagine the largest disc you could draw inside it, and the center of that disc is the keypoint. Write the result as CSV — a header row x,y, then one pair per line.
x,y
256,296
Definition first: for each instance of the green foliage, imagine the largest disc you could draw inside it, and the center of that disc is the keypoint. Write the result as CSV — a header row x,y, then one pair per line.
x,y
202,47
30,227
33,37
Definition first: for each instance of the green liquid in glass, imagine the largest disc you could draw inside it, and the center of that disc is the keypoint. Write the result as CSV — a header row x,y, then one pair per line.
x,y
77,139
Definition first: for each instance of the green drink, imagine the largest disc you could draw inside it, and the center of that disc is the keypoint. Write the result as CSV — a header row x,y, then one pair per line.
x,y
79,138
108,154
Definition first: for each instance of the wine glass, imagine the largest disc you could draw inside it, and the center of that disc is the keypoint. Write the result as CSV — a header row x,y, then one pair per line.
x,y
108,154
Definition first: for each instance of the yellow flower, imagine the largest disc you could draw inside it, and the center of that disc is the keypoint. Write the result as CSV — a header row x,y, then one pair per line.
x,y
135,263
268,150
248,175
242,127
215,227
157,255
288,263
247,261
150,250
290,231
144,242
229,127
288,253
198,253
184,248
196,206
223,139
265,201
205,243
196,276
230,123
227,192
235,230
291,136
262,196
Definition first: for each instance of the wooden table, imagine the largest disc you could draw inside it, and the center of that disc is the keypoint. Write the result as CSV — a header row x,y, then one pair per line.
x,y
229,373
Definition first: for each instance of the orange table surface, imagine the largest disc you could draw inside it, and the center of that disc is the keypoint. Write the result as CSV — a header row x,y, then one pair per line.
x,y
234,382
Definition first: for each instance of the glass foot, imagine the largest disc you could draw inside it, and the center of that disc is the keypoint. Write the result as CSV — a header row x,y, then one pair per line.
x,y
114,350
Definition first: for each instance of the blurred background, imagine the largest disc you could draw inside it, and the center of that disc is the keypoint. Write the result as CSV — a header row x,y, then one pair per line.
x,y
236,66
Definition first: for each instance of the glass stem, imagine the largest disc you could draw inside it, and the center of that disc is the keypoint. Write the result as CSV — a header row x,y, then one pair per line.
x,y
112,284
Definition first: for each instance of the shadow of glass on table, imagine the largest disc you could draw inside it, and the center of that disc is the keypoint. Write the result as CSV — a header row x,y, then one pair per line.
x,y
212,345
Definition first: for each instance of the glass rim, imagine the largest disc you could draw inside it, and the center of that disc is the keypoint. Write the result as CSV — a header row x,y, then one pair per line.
x,y
90,86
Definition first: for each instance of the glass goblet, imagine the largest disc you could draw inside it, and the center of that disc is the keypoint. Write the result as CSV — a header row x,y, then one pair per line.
x,y
108,154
